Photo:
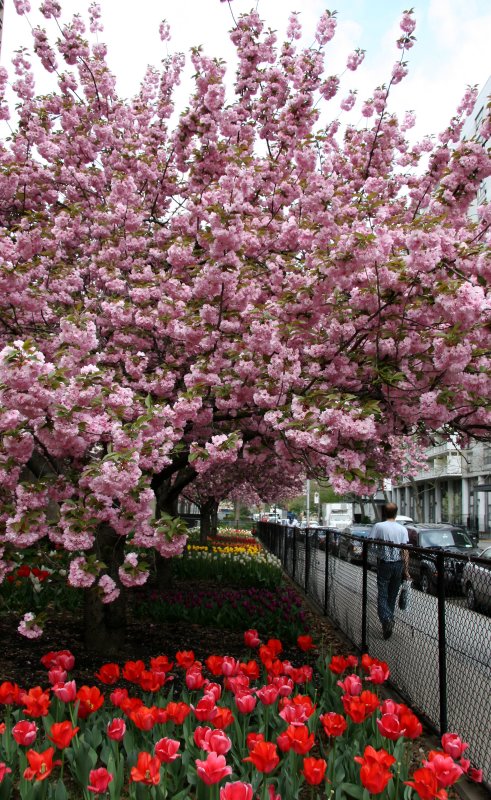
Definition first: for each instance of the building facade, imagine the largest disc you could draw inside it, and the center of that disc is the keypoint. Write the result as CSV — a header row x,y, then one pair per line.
x,y
455,487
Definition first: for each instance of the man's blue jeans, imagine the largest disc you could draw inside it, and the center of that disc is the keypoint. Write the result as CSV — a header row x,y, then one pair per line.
x,y
389,579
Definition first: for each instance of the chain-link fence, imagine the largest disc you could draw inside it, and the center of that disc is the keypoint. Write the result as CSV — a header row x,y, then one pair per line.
x,y
439,650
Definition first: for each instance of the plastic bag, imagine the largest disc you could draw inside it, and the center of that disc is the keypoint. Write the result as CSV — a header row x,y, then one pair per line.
x,y
405,596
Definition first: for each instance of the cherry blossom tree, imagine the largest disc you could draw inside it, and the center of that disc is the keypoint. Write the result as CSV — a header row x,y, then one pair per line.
x,y
175,294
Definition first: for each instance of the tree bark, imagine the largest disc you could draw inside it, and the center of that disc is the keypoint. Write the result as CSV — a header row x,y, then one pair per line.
x,y
208,519
105,623
214,519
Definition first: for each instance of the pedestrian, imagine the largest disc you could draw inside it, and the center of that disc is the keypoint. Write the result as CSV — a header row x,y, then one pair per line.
x,y
392,565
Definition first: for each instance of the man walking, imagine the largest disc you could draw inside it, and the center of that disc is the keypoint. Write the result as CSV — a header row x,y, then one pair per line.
x,y
391,565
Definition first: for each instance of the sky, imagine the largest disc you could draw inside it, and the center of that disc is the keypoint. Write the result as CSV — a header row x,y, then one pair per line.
x,y
451,52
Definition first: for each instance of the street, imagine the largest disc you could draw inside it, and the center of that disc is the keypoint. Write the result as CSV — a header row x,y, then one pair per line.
x,y
412,651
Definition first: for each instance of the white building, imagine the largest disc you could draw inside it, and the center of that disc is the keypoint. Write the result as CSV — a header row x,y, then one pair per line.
x,y
454,487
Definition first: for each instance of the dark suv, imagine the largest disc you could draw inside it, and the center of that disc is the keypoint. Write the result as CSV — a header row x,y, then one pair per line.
x,y
351,542
434,537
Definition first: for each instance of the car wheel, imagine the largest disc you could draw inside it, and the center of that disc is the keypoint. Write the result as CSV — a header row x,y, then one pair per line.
x,y
470,597
425,583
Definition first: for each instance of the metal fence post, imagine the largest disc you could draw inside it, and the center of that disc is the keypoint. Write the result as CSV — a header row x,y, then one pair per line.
x,y
442,647
294,552
326,572
364,599
307,560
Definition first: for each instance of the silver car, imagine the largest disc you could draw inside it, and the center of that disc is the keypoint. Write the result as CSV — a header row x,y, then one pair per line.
x,y
476,581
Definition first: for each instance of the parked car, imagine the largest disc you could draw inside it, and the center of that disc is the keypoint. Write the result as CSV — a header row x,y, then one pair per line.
x,y
434,537
327,532
351,541
476,581
404,520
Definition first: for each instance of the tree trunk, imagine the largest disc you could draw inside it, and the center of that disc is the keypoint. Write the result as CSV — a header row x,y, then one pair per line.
x,y
208,520
105,623
214,519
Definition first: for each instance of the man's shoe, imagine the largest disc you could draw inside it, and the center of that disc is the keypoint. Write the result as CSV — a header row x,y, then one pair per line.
x,y
387,629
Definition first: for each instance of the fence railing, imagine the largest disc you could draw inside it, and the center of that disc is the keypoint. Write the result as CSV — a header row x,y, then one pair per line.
x,y
439,653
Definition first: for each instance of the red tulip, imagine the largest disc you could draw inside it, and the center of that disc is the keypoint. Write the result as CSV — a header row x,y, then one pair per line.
x,y
143,717
333,724
475,774
99,780
194,678
275,646
212,740
177,712
446,770
62,733
147,770
266,655
268,695
108,674
185,658
230,666
116,729
314,770
166,750
245,703
252,739
411,724
338,664
212,769
151,681
425,785
236,791
118,696
59,658
223,717
264,756
40,764
250,669
66,692
4,770
305,643
25,732
132,671
351,685
251,638
300,738
375,773
57,675
360,707
10,694
284,685
90,700
205,709
379,673
214,688
390,726
36,702
161,664
214,664
453,745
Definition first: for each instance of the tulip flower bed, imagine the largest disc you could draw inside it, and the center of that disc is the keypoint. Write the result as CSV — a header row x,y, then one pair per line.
x,y
234,565
278,610
237,730
233,536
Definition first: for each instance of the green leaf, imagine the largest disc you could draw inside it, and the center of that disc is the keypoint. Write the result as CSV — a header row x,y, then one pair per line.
x,y
353,790
60,791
